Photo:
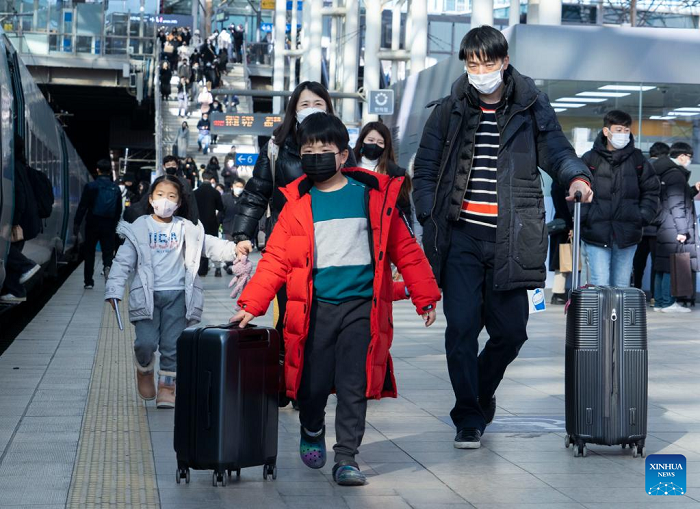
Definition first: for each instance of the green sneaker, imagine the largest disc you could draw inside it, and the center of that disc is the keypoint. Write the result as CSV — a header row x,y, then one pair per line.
x,y
347,473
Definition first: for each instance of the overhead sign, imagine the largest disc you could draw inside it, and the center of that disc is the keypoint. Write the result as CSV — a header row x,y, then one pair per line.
x,y
269,27
381,102
267,5
246,159
299,5
252,124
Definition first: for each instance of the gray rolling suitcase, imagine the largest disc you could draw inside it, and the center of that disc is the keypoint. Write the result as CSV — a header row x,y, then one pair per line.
x,y
606,364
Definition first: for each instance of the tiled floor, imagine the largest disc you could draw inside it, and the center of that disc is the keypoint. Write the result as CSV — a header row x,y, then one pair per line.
x,y
407,452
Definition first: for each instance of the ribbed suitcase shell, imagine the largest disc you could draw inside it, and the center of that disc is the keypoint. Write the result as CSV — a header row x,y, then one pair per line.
x,y
606,366
226,403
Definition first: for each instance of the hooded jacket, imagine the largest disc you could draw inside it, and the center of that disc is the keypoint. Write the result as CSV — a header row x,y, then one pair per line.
x,y
625,195
530,138
133,266
288,259
676,215
259,190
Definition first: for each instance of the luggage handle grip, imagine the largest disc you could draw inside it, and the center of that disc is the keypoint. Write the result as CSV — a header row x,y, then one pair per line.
x,y
230,325
576,243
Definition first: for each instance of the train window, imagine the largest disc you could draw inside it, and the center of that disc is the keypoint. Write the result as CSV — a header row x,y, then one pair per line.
x,y
32,149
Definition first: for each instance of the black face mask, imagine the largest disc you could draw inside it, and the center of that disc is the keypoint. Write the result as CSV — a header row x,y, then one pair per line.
x,y
372,151
171,171
319,167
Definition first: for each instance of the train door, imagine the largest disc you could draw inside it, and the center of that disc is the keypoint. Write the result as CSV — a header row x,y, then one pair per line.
x,y
64,168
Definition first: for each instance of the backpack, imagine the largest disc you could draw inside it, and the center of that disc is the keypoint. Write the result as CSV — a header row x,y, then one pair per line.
x,y
43,191
108,195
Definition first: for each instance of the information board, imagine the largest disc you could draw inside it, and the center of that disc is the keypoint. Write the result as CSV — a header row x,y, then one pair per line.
x,y
251,124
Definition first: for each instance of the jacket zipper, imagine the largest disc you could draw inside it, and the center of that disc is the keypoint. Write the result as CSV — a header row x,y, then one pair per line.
x,y
471,163
440,175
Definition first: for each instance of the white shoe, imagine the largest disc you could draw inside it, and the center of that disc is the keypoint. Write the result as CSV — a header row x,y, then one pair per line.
x,y
29,274
675,308
8,298
657,310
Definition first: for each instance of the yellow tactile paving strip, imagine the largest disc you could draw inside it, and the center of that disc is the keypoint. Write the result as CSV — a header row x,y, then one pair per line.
x,y
114,465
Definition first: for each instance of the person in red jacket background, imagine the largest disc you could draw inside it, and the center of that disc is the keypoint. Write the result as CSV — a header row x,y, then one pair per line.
x,y
332,246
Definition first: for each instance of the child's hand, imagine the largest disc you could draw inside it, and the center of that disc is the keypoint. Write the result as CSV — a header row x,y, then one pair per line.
x,y
112,302
429,317
242,316
243,248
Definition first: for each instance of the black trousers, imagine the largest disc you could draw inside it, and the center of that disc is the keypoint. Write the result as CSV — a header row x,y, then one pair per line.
x,y
17,264
102,230
646,247
335,356
471,303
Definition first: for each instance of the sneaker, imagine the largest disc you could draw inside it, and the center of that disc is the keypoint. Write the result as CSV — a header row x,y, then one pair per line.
x,y
29,274
657,309
8,298
347,473
675,308
490,410
145,383
89,286
166,390
468,438
312,449
217,273
106,272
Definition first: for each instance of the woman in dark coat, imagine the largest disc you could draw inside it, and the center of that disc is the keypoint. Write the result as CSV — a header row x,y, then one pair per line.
x,y
561,211
165,77
213,167
677,222
262,189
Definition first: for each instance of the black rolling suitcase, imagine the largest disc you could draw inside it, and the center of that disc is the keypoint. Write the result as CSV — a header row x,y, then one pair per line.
x,y
226,401
606,364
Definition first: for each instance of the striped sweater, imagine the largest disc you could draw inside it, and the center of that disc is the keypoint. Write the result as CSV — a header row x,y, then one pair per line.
x,y
480,206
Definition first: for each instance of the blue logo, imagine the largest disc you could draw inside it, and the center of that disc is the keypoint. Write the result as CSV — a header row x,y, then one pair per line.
x,y
665,475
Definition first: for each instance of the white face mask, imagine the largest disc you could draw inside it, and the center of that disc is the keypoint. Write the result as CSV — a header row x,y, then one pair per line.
x,y
619,140
486,83
230,163
303,114
164,207
237,191
122,188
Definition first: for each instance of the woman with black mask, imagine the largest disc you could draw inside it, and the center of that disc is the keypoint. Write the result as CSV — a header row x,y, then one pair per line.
x,y
281,156
213,167
191,173
374,151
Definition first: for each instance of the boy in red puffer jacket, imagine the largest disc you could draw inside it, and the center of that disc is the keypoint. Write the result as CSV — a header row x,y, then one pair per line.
x,y
332,246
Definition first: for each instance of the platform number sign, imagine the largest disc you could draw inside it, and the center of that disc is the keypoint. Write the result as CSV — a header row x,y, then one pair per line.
x,y
246,159
381,102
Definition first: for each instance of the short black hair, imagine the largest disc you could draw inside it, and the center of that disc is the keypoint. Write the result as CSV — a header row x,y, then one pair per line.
x,y
679,148
617,117
659,149
238,180
325,128
207,175
169,159
104,167
182,210
484,42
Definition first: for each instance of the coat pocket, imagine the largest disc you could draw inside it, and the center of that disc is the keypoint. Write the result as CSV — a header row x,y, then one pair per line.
x,y
137,299
530,236
197,301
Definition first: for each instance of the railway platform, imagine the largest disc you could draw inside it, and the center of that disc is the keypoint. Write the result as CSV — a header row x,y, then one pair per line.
x,y
73,432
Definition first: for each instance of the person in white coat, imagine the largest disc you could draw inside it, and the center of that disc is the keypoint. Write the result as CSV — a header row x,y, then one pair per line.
x,y
159,261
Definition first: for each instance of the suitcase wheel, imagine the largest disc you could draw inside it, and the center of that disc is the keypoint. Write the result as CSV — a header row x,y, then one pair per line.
x,y
580,449
623,445
567,441
218,477
270,470
639,450
237,471
183,473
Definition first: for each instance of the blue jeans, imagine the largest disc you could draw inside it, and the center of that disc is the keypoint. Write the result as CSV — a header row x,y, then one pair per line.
x,y
662,290
610,266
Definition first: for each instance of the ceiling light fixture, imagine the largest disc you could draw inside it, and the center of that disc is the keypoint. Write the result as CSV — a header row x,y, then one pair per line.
x,y
603,94
628,88
582,99
659,117
567,105
559,110
682,114
691,110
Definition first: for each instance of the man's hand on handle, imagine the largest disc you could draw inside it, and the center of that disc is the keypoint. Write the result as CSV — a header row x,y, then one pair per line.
x,y
583,188
242,316
244,248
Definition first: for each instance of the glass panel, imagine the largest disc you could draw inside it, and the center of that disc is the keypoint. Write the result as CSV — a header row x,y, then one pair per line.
x,y
89,19
55,12
461,30
115,46
116,23
83,44
440,37
41,16
67,44
147,46
134,46
134,25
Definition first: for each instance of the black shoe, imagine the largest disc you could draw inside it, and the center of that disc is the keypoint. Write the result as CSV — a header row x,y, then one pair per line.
x,y
295,405
490,410
217,273
89,286
468,438
558,298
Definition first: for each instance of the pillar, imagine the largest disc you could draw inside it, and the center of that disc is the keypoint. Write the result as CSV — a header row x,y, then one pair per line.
x,y
395,39
293,46
418,35
278,69
373,30
550,12
350,59
482,13
514,17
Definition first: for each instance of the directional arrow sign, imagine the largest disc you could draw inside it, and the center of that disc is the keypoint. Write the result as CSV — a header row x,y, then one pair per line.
x,y
381,102
246,159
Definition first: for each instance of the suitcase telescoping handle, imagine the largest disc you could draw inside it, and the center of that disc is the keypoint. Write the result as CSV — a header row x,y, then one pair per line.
x,y
575,275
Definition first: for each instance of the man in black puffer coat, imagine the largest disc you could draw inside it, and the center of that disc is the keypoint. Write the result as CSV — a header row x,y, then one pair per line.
x,y
478,195
677,222
626,200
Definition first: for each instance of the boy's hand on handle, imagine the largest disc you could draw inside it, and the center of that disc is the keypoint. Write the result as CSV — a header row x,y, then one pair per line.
x,y
243,317
244,248
583,188
429,317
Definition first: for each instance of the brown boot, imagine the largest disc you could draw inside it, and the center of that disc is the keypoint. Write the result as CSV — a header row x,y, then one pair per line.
x,y
166,389
144,379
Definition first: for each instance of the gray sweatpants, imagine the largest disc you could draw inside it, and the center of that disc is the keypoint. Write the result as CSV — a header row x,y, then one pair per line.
x,y
162,331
